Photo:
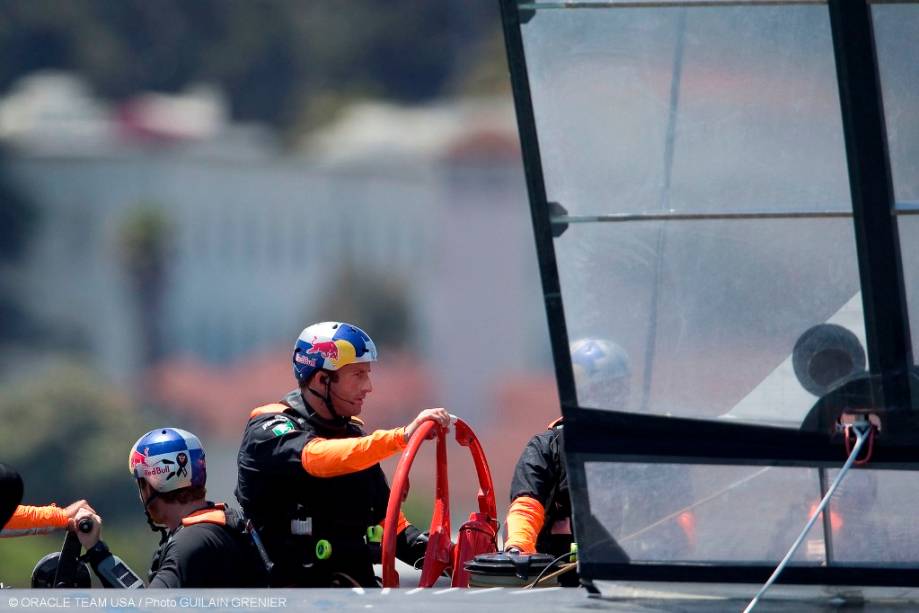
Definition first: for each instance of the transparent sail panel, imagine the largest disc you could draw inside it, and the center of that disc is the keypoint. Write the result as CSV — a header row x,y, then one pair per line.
x,y
896,28
748,514
703,109
705,315
574,4
684,513
873,517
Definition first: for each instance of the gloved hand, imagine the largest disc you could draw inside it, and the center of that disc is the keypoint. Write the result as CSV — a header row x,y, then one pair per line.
x,y
411,545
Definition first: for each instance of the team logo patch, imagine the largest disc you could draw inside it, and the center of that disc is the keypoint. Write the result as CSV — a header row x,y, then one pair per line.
x,y
282,428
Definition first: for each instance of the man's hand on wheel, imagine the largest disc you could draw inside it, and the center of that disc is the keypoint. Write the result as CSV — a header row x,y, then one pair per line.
x,y
438,415
87,539
71,510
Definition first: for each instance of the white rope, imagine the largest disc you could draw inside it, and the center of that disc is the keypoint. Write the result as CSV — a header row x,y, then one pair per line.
x,y
862,429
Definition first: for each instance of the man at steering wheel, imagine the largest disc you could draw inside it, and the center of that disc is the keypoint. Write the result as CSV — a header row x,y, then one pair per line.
x,y
309,476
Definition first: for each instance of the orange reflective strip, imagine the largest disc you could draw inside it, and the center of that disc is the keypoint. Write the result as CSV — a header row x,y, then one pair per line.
x,y
341,456
525,519
268,408
35,520
213,515
554,423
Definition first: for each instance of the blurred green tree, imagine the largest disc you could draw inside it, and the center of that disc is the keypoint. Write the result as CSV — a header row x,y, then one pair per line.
x,y
145,246
272,58
68,434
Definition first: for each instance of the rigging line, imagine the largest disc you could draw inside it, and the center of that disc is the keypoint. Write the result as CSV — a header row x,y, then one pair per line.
x,y
669,146
696,504
827,520
862,433
564,568
549,566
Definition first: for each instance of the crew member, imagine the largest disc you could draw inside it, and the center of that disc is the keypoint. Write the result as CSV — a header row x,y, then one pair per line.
x,y
539,518
21,520
309,476
203,544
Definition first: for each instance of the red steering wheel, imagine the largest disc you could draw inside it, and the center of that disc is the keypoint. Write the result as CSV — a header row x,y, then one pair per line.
x,y
476,536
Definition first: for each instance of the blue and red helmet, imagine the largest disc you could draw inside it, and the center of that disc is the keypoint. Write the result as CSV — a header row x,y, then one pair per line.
x,y
330,345
168,459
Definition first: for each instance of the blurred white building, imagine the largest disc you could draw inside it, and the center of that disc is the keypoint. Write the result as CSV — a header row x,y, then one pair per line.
x,y
434,197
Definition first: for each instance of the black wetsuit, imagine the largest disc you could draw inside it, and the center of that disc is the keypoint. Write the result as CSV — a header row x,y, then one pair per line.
x,y
208,554
210,551
294,510
541,474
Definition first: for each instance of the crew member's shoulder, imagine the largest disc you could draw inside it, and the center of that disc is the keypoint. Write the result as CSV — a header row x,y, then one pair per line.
x,y
197,538
273,408
355,427
547,438
270,425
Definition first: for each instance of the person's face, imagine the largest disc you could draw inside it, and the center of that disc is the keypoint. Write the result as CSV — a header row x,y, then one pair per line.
x,y
350,389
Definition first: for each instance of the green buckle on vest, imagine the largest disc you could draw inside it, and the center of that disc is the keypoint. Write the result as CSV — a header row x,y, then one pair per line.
x,y
375,534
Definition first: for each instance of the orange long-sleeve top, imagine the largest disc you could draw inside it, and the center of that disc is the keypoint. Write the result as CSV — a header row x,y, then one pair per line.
x,y
525,520
28,520
324,457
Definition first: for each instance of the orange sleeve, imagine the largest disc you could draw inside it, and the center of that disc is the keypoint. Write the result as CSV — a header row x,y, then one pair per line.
x,y
34,520
401,524
524,521
323,457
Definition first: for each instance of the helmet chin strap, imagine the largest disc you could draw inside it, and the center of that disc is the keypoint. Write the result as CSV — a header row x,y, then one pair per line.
x,y
155,527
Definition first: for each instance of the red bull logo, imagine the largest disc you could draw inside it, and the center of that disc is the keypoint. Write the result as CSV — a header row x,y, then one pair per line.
x,y
327,349
303,359
156,470
137,458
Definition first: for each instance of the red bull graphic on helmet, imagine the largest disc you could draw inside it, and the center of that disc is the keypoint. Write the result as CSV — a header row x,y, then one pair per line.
x,y
137,458
327,349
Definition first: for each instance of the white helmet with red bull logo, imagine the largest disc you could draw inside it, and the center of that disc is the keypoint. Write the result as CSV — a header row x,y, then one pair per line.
x,y
330,345
168,459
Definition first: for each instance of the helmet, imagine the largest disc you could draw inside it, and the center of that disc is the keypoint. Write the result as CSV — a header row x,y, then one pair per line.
x,y
168,459
330,345
602,370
